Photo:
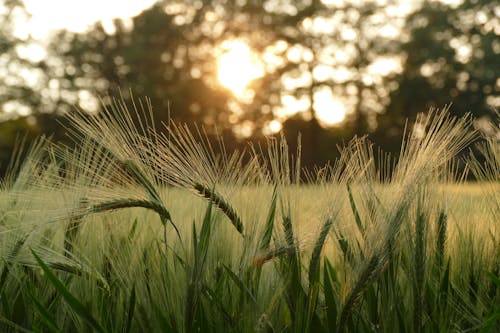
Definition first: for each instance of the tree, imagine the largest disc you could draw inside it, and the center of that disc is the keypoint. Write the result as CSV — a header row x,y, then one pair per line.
x,y
20,78
344,53
451,56
18,73
150,56
319,59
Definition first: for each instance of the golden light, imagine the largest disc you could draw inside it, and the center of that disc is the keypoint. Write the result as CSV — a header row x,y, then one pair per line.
x,y
329,110
238,66
275,126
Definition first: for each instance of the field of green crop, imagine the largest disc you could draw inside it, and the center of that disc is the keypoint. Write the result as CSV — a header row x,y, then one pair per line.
x,y
130,231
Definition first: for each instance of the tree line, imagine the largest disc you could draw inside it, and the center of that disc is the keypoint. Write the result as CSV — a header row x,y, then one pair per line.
x,y
385,62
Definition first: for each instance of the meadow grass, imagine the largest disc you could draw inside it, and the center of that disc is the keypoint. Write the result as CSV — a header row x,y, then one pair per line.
x,y
131,231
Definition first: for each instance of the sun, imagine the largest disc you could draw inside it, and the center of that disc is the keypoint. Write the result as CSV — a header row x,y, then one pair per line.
x,y
238,66
329,109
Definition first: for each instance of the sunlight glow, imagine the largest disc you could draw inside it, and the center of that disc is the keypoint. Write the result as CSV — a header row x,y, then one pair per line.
x,y
273,127
238,66
329,110
78,16
385,66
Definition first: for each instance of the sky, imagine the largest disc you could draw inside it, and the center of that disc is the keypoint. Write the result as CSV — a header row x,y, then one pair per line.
x,y
76,15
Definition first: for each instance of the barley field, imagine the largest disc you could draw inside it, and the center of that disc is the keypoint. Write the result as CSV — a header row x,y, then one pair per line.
x,y
130,231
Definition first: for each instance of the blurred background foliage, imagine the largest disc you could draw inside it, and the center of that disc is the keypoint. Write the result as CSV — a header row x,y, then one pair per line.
x,y
323,68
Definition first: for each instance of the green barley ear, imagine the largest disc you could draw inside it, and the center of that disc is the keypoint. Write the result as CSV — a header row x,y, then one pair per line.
x,y
125,139
142,179
131,203
441,239
368,274
443,137
345,247
222,204
288,230
314,276
419,269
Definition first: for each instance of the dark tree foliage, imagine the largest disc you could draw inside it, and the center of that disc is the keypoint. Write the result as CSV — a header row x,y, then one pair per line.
x,y
15,93
151,58
13,87
453,57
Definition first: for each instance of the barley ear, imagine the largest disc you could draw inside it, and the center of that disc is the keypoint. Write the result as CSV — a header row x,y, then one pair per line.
x,y
222,204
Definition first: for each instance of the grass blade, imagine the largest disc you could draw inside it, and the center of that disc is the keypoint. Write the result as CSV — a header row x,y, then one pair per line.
x,y
72,301
131,309
329,280
314,269
268,231
194,309
355,211
239,283
45,315
133,230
